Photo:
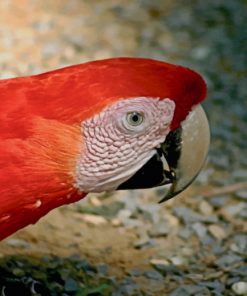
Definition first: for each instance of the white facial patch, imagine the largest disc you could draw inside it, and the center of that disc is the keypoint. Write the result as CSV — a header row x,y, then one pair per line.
x,y
120,140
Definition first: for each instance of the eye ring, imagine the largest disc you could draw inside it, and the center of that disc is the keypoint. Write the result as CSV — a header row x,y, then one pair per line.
x,y
134,118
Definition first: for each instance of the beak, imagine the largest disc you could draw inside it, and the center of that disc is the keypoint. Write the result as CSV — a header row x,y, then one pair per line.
x,y
179,159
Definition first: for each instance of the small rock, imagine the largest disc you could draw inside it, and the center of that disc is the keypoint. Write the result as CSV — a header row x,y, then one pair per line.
x,y
135,272
220,162
159,229
194,276
216,286
129,201
199,229
232,280
7,75
143,239
242,195
219,201
180,291
18,243
102,269
240,288
116,222
239,174
205,208
234,210
177,261
217,248
50,49
18,272
213,275
243,214
127,289
239,243
159,262
150,211
190,290
187,215
185,233
240,271
95,201
132,223
124,214
226,261
153,275
172,221
186,251
70,285
217,232
211,219
169,270
93,219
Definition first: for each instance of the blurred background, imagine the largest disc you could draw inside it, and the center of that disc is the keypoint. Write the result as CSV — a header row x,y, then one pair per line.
x,y
125,243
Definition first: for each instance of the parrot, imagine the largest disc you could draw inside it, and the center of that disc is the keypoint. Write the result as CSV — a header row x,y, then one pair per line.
x,y
113,124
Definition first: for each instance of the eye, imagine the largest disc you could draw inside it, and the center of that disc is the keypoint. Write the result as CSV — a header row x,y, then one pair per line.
x,y
134,118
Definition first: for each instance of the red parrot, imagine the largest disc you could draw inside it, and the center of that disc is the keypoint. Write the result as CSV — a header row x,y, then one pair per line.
x,y
121,123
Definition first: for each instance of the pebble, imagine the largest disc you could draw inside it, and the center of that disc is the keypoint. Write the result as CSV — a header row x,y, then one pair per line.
x,y
159,229
205,208
71,285
234,210
95,201
228,260
150,211
240,288
93,219
240,271
240,174
143,240
219,201
189,290
135,272
124,214
116,222
242,195
132,223
171,220
215,285
217,231
243,214
153,275
199,229
187,215
239,243
159,262
177,260
18,243
102,269
185,233
18,272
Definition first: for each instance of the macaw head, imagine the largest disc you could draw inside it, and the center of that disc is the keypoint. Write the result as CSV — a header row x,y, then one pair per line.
x,y
123,123
141,123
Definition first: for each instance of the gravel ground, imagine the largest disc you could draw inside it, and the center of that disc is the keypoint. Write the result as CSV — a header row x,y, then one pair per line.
x,y
125,243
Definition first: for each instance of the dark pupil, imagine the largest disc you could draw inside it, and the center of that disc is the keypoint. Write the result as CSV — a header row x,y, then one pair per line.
x,y
135,117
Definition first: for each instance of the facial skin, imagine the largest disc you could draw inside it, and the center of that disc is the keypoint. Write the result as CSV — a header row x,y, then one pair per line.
x,y
120,140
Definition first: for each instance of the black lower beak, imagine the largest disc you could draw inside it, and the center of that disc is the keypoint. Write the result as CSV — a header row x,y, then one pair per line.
x,y
152,174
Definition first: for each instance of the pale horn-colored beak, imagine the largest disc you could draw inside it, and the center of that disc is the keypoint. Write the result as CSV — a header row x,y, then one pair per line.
x,y
185,151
